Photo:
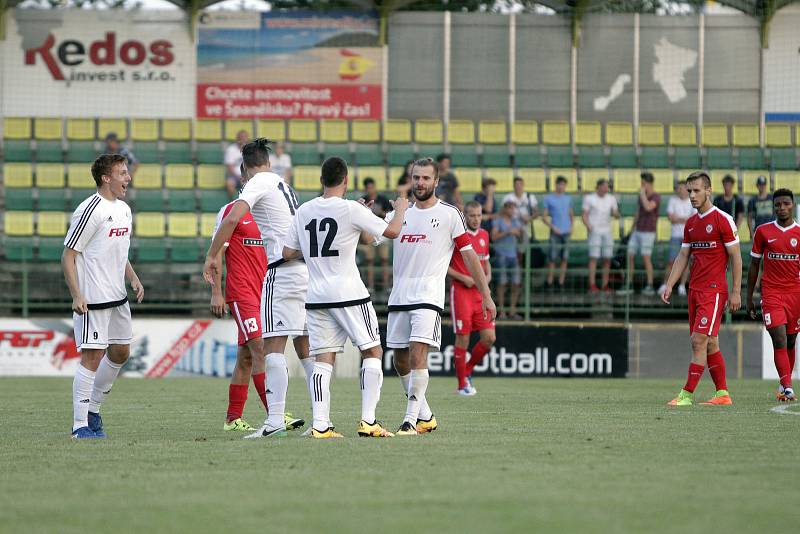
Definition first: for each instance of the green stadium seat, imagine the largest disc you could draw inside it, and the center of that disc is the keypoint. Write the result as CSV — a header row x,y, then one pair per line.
x,y
622,156
147,152
628,204
687,157
181,200
117,126
18,175
369,154
50,249
751,158
337,149
719,158
185,250
654,157
177,152
496,156
49,152
591,157
150,250
365,131
81,152
559,156
149,200
527,156
234,126
273,129
211,201
20,199
525,133
17,150
783,159
18,249
305,154
464,155
77,196
49,200
144,130
210,153
399,155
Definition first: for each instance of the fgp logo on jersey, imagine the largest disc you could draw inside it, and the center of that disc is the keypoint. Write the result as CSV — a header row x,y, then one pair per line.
x,y
118,232
412,238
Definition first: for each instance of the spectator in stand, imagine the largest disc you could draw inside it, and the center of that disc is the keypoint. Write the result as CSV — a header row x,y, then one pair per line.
x,y
447,189
232,161
679,209
644,230
558,215
281,162
759,207
380,206
486,199
729,202
113,146
506,234
598,208
524,211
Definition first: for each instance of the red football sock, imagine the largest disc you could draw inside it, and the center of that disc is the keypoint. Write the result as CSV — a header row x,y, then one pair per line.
x,y
237,396
716,368
461,367
260,382
782,365
695,373
790,352
478,352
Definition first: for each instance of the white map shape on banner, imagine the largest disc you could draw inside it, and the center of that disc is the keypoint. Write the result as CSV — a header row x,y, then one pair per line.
x,y
671,64
601,103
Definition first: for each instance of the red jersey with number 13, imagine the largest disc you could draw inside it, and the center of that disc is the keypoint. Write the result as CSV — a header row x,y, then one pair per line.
x,y
708,235
245,260
480,243
779,248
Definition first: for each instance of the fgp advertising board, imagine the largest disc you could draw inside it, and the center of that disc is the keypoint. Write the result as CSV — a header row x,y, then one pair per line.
x,y
289,65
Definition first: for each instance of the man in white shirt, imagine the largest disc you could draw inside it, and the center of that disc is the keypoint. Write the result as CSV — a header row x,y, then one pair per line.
x,y
598,208
525,210
281,162
679,209
232,161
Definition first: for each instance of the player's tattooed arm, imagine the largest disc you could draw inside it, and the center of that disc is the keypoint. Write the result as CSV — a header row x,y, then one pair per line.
x,y
136,284
752,278
68,258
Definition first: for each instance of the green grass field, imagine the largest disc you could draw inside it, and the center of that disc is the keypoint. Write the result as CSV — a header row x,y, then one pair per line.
x,y
545,455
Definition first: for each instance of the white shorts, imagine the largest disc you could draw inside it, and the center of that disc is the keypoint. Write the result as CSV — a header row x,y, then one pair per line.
x,y
601,244
97,329
641,242
329,328
283,301
422,325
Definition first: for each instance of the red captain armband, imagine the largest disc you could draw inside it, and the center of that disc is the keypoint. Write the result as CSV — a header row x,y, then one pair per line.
x,y
462,242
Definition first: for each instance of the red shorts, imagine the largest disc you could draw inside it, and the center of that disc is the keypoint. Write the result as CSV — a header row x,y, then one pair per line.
x,y
782,309
248,320
705,311
466,310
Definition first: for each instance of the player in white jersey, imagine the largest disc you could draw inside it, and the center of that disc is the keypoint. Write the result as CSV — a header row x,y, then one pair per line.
x,y
432,229
95,264
326,233
273,204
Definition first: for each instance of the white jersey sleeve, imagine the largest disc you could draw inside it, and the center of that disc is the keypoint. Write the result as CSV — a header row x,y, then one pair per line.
x,y
86,221
292,238
366,221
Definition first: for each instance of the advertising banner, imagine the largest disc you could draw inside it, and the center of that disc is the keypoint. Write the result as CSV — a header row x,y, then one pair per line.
x,y
284,65
81,63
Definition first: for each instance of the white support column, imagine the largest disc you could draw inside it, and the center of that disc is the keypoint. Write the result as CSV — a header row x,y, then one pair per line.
x,y
701,70
573,88
446,68
512,68
636,72
762,119
385,84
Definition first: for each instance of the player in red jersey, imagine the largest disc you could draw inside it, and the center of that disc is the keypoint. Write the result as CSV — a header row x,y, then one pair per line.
x,y
710,236
777,243
466,308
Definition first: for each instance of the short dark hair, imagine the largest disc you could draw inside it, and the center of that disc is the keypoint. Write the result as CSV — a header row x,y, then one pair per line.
x,y
561,179
518,179
699,175
728,178
369,181
472,204
487,182
443,155
256,153
783,192
104,166
648,177
427,162
600,182
334,171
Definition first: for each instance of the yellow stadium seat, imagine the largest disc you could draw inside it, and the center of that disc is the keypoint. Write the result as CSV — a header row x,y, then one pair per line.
x,y
627,225
17,128
589,178
176,129
749,181
234,126
144,129
746,135
306,178
492,132
619,133
208,130
397,131
570,174
535,180
588,133
79,176
18,175
469,179
718,174
778,135
714,135
207,223
540,230
503,177
664,229
50,175
182,225
787,180
377,173
272,129
48,129
333,131
651,134
682,134
117,126
149,224
51,223
148,176
81,129
303,130
365,131
555,133
627,180
461,132
579,231
19,223
179,176
428,131
210,177
744,231
664,180
525,133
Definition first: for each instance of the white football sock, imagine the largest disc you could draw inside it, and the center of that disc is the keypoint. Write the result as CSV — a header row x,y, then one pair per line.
x,y
277,383
424,410
321,395
81,393
371,382
104,378
416,394
308,367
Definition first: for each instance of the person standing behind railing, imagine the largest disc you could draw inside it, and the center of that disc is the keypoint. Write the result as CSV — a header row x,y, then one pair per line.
x,y
598,208
558,216
506,234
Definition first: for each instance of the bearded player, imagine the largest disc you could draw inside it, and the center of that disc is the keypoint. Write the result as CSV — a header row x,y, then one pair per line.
x,y
710,237
466,304
777,243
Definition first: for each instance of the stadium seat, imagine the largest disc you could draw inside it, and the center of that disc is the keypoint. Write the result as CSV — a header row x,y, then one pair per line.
x,y
718,174
428,132
464,155
207,223
49,152
622,156
555,133
17,151
567,172
397,131
528,156
50,175
337,149
746,135
369,154
714,135
619,133
305,154
461,132
497,155
50,129
177,152
148,176
560,156
683,134
149,225
306,178
51,223
492,133
664,181
398,155
149,200
49,200
19,249
588,133
333,131
744,231
778,135
150,250
77,196
303,130
181,200
751,158
210,153
469,179
21,199
749,181
627,225
179,176
17,128
627,180
687,157
717,158
787,180
365,131
503,177
525,133
272,129
208,130
591,157
663,229
19,223
176,129
377,173
117,126
234,126
185,250
81,152
429,151
182,225
79,176
50,249
144,130
589,178
651,134
210,177
18,175
783,158
212,200
81,130
654,157
535,180
541,231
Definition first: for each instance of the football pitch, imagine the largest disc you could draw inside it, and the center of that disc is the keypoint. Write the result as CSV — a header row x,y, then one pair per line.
x,y
524,455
